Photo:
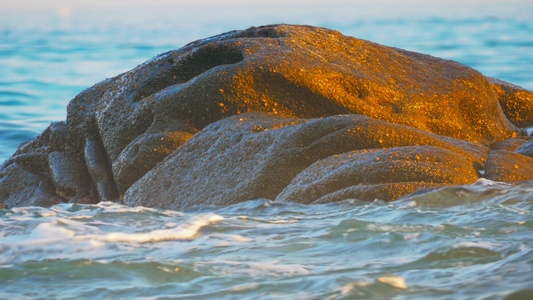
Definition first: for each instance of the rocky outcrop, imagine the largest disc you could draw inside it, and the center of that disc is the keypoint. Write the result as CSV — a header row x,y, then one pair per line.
x,y
119,132
255,156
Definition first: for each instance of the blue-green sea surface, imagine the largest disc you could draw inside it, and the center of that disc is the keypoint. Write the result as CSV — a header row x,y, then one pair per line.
x,y
467,242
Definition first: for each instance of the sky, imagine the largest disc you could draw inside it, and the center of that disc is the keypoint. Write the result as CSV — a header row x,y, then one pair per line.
x,y
288,8
39,4
142,3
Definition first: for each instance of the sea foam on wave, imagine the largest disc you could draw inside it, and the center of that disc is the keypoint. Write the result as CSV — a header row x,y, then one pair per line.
x,y
185,231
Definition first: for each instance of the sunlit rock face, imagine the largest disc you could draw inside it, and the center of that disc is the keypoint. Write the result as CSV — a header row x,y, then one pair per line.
x,y
119,131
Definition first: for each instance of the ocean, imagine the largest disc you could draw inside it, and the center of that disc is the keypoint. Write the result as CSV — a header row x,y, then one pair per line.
x,y
464,242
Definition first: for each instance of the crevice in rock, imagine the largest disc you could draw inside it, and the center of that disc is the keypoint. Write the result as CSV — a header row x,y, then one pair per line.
x,y
262,32
163,137
197,62
208,57
99,168
69,175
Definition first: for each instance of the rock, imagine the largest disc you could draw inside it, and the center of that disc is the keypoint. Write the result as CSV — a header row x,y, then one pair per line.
x,y
508,166
25,178
143,153
294,71
253,156
508,145
124,128
525,149
100,170
383,174
68,175
516,102
23,183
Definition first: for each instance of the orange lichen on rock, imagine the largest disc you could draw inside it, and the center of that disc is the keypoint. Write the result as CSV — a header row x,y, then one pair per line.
x,y
508,166
516,102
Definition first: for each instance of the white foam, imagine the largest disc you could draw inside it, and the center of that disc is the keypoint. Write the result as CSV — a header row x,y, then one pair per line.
x,y
394,280
469,244
185,231
348,288
282,221
48,240
414,236
47,214
485,182
275,267
120,208
258,269
244,287
49,231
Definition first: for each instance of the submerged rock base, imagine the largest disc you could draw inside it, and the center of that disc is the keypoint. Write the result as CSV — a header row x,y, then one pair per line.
x,y
291,113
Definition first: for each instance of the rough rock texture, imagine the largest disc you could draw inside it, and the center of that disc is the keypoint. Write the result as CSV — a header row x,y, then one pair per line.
x,y
45,171
121,128
254,156
508,166
509,144
515,102
525,149
378,174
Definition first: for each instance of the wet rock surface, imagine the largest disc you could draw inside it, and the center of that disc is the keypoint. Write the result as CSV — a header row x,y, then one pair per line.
x,y
515,102
508,166
525,149
509,144
378,174
254,155
125,131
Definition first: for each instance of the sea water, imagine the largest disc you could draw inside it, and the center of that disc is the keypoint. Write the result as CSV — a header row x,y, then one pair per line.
x,y
469,242
459,243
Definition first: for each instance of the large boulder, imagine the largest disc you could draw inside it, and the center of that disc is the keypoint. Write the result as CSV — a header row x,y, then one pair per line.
x,y
120,129
253,156
295,71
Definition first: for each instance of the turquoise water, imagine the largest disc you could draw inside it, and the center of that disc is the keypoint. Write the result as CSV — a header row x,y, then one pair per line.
x,y
457,243
464,242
